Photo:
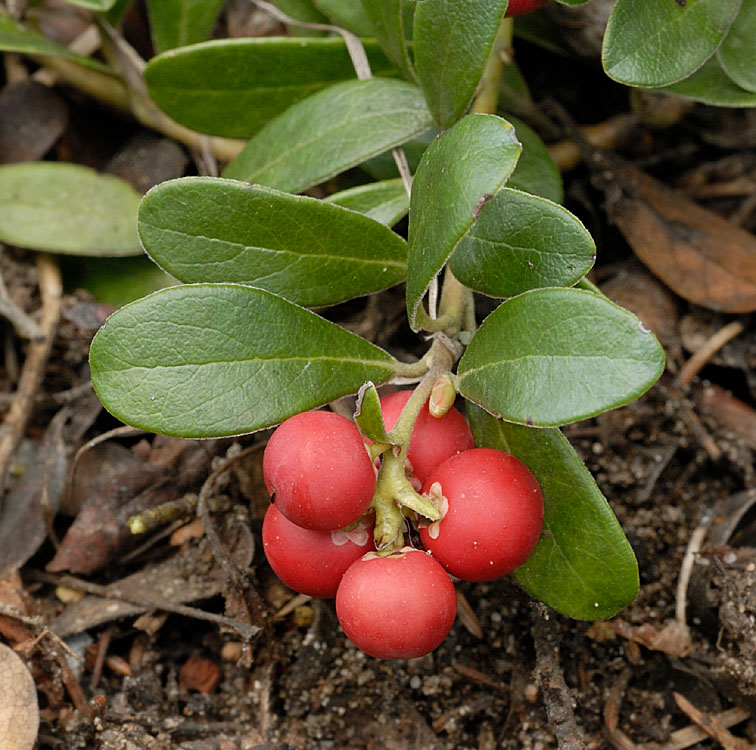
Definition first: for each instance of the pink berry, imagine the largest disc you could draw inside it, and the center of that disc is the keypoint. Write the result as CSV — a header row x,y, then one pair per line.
x,y
521,7
312,562
434,439
492,510
318,470
396,607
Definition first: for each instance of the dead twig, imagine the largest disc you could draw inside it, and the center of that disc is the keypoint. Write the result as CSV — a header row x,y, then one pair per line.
x,y
712,726
245,630
556,694
615,735
693,734
707,350
12,430
686,568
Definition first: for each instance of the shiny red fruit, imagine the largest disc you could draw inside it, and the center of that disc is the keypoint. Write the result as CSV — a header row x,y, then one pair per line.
x,y
521,7
433,439
492,514
396,607
312,562
317,468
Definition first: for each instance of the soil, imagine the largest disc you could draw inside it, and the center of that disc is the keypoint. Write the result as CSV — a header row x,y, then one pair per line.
x,y
675,669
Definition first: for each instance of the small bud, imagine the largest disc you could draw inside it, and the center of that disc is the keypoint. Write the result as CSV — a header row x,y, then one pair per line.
x,y
442,396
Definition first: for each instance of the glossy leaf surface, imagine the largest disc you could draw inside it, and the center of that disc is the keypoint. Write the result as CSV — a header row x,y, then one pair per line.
x,y
232,87
452,42
584,566
535,172
711,85
737,53
386,201
522,242
331,131
553,356
66,208
176,23
205,360
461,169
659,42
308,251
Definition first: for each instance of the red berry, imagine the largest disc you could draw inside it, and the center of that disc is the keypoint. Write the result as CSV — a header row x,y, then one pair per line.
x,y
520,7
312,562
396,607
316,466
494,516
434,439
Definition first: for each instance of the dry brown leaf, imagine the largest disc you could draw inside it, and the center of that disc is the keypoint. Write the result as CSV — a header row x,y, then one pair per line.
x,y
695,252
19,712
735,415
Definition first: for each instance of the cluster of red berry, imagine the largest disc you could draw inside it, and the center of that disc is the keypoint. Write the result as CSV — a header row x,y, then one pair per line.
x,y
318,539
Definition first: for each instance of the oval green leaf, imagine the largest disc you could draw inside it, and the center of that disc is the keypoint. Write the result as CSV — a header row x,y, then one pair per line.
x,y
15,37
308,251
535,172
386,201
583,566
96,5
659,42
66,208
553,356
207,360
452,42
347,14
331,131
522,242
737,53
458,172
368,414
389,19
176,23
232,87
711,85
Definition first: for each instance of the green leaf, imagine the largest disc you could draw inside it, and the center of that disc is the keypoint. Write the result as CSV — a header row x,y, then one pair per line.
x,y
553,356
659,42
67,209
232,87
383,166
388,18
385,201
522,242
114,281
349,14
452,42
301,10
207,360
368,414
331,131
176,23
308,251
535,171
15,37
711,85
737,53
461,169
96,5
583,566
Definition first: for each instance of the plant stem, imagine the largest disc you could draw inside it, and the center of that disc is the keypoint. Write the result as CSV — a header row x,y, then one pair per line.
x,y
488,91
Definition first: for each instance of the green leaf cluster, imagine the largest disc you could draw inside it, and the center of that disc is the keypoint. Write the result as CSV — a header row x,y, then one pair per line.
x,y
701,49
237,347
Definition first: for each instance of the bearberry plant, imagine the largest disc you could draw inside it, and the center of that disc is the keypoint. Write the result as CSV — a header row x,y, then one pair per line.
x,y
236,349
407,91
